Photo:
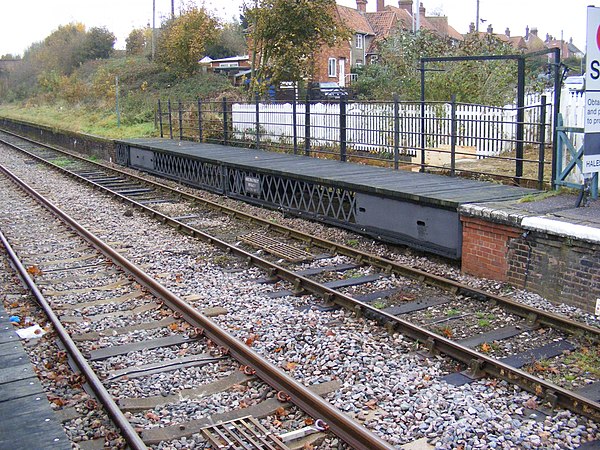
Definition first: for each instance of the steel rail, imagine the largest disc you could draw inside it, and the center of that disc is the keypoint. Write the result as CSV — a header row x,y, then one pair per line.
x,y
530,313
340,424
478,362
133,439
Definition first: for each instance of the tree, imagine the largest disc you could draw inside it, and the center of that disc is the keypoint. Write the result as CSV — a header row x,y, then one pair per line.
x,y
184,39
135,43
285,36
229,42
97,44
489,82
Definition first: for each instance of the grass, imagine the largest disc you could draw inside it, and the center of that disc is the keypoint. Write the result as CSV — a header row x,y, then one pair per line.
x,y
78,119
453,313
62,162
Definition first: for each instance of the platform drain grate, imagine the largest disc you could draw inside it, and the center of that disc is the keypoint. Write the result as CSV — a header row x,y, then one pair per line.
x,y
277,248
243,433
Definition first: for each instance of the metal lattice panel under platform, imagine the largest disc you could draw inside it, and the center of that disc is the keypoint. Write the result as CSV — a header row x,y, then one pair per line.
x,y
277,248
415,209
244,433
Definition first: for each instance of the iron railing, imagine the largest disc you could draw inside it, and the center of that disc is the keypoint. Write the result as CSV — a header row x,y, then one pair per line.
x,y
453,138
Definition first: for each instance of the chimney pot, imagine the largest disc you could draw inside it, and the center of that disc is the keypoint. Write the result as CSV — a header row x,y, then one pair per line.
x,y
361,5
472,27
422,10
490,30
507,32
527,32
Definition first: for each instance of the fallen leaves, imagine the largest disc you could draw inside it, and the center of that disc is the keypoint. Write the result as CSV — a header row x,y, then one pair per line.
x,y
485,347
152,416
290,366
371,404
34,271
250,339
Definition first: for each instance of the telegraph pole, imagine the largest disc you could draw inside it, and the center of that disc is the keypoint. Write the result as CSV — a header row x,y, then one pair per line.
x,y
153,28
172,9
477,18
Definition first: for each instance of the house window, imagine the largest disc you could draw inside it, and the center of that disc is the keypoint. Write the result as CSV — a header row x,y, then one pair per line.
x,y
360,40
332,67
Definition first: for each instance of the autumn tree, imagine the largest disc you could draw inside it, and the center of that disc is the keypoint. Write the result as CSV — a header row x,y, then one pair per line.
x,y
98,43
135,43
230,41
398,69
285,36
184,39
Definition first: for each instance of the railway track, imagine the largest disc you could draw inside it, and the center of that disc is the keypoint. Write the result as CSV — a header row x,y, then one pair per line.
x,y
371,286
89,286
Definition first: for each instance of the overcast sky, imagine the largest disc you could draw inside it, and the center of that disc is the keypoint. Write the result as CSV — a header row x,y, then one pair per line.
x,y
23,22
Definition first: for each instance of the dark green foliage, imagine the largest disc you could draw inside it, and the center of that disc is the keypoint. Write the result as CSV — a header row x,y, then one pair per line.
x,y
229,42
483,82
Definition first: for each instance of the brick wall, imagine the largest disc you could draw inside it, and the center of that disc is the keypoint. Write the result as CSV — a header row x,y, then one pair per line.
x,y
485,248
558,268
561,269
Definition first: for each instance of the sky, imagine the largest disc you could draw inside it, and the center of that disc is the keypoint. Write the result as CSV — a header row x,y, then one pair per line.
x,y
24,22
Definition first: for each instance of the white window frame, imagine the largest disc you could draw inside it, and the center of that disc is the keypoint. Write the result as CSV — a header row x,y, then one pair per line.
x,y
332,67
360,40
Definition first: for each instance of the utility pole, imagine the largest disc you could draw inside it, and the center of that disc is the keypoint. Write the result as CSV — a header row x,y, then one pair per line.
x,y
477,18
153,29
172,9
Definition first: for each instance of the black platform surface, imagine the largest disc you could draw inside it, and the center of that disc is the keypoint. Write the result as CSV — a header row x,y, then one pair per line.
x,y
424,188
27,420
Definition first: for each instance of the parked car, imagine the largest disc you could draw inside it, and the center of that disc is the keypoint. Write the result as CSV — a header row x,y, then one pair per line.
x,y
328,90
575,83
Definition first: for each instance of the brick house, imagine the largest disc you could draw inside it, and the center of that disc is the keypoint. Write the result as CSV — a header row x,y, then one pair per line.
x,y
368,30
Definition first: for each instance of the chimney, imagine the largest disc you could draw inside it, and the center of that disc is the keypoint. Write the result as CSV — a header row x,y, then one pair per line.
x,y
534,31
527,32
472,27
422,10
361,6
406,5
547,37
380,5
507,32
490,30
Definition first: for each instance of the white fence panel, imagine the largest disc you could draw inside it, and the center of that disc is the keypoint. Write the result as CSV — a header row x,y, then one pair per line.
x,y
370,126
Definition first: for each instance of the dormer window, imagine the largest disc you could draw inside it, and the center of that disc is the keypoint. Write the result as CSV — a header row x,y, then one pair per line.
x,y
360,39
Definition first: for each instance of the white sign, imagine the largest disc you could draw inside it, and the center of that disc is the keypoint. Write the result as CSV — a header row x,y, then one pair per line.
x,y
592,73
591,142
592,111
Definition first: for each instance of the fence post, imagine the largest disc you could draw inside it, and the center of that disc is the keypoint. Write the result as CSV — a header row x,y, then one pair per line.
x,y
542,153
160,118
453,136
225,137
520,119
257,119
422,116
343,130
170,120
295,123
199,120
307,124
396,132
180,107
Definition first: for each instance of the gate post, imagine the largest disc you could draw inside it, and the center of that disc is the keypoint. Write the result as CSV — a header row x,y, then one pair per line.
x,y
343,129
453,136
542,152
520,119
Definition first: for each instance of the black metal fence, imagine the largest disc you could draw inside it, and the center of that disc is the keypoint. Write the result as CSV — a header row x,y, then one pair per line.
x,y
453,138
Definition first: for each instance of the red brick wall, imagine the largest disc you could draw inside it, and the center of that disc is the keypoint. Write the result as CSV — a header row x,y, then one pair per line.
x,y
485,248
